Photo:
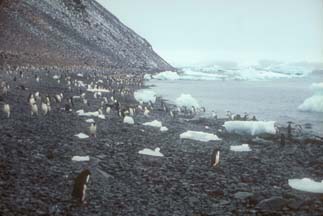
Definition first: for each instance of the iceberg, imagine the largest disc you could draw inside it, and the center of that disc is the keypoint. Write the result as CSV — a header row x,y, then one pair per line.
x,y
250,127
307,185
145,96
199,136
315,102
187,100
167,75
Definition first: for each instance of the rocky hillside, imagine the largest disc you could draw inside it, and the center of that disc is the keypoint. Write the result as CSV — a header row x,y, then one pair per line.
x,y
71,32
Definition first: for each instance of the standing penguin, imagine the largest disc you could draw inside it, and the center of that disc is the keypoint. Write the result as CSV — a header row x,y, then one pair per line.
x,y
215,157
92,129
80,186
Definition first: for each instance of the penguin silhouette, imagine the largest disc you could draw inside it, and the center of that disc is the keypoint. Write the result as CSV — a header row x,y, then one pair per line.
x,y
80,186
215,157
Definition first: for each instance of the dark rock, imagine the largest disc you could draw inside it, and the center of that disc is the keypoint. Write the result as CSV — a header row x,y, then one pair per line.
x,y
275,203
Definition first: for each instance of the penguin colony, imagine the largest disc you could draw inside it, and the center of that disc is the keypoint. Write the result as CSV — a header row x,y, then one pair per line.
x,y
114,93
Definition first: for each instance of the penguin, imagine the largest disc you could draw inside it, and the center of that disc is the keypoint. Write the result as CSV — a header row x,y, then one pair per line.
x,y
289,130
67,108
80,186
44,108
6,109
282,139
146,112
92,129
34,109
215,158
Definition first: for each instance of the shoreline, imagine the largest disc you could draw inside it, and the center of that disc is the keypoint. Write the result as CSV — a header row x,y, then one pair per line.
x,y
37,173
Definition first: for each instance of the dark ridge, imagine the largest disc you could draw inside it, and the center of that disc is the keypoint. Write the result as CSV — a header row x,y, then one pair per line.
x,y
69,33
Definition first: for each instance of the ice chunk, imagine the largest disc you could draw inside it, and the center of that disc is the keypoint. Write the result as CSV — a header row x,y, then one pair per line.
x,y
315,102
89,121
147,77
240,148
250,127
154,123
82,136
145,95
98,90
199,136
307,185
167,75
80,75
150,152
56,77
81,158
163,129
90,114
186,100
128,120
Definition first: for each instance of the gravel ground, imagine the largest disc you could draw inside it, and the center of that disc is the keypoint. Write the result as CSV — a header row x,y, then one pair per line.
x,y
37,173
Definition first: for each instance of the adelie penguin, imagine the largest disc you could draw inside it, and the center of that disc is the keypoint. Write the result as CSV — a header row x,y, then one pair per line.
x,y
215,157
92,129
80,186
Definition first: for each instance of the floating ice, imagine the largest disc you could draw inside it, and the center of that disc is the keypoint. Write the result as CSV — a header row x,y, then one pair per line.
x,y
81,158
315,102
186,100
154,123
250,127
163,129
307,185
150,152
89,121
199,136
145,95
240,148
82,136
167,75
147,77
128,120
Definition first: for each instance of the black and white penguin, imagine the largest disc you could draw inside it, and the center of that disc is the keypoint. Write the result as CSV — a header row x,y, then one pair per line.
x,y
80,186
215,157
92,129
289,130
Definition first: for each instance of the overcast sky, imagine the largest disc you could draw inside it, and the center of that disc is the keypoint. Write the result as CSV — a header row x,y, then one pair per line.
x,y
191,31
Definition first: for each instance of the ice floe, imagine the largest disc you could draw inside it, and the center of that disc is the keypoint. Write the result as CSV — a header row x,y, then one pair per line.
x,y
315,102
150,152
307,185
163,129
199,136
166,75
250,127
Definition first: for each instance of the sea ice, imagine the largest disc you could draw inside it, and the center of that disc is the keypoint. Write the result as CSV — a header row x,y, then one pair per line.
x,y
199,136
163,129
250,127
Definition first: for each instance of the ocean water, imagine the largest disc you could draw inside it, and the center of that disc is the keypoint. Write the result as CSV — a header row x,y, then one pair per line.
x,y
268,99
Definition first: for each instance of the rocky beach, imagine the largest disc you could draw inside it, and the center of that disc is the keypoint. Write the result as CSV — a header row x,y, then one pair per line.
x,y
37,172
